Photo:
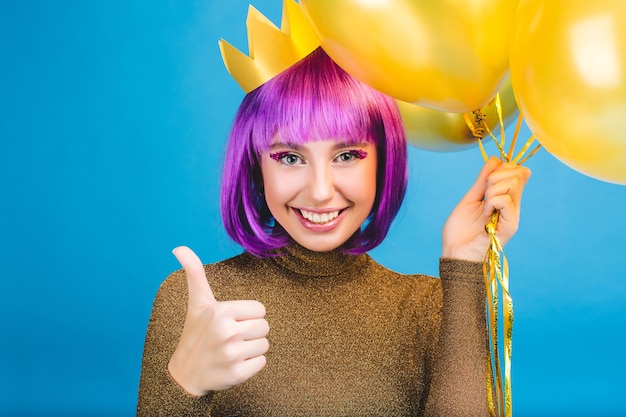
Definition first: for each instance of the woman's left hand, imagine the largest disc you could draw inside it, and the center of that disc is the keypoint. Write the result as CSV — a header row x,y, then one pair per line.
x,y
499,186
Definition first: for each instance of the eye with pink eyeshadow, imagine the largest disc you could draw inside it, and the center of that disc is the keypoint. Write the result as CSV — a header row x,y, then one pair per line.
x,y
358,153
291,158
351,155
286,157
278,155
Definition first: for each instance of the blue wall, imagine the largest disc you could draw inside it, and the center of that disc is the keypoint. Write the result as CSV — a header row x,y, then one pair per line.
x,y
112,122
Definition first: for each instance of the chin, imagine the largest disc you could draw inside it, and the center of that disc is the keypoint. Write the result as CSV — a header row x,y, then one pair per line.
x,y
320,246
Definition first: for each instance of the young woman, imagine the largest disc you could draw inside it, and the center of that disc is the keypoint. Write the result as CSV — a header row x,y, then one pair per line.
x,y
304,322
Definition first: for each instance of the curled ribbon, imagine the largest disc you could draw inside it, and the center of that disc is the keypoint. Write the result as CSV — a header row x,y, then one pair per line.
x,y
496,271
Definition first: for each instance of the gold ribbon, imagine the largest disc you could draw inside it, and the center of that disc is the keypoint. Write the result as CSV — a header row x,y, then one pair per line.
x,y
496,271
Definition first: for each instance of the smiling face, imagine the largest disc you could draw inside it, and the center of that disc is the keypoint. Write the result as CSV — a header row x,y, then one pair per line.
x,y
320,192
312,100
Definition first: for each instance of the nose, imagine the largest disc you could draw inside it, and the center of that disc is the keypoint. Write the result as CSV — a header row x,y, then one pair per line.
x,y
321,183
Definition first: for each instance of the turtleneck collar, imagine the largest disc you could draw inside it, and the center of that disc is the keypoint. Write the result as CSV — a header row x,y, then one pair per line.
x,y
306,262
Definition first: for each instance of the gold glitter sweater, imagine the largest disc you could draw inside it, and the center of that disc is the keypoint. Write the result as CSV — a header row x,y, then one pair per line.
x,y
348,337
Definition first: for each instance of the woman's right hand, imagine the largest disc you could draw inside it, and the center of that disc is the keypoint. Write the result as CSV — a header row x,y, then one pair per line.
x,y
223,342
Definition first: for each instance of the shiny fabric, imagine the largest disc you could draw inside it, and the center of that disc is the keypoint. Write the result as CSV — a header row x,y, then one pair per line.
x,y
347,337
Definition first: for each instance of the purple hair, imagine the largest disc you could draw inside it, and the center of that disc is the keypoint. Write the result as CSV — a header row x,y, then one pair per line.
x,y
312,100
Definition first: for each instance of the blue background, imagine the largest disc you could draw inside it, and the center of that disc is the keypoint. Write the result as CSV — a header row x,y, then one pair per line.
x,y
113,117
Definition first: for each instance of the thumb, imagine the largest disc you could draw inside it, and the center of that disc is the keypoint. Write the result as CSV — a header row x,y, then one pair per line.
x,y
477,190
200,292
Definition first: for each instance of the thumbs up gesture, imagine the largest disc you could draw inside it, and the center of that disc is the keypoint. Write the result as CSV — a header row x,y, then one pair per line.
x,y
223,342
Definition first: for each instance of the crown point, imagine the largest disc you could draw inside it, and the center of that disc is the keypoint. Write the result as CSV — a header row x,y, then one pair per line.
x,y
271,50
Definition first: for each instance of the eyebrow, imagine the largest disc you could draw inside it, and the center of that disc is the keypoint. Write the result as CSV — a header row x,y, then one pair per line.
x,y
278,145
297,146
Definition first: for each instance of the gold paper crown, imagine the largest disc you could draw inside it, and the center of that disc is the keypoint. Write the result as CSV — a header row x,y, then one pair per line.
x,y
272,50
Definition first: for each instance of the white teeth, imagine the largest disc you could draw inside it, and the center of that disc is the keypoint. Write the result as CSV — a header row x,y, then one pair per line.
x,y
319,218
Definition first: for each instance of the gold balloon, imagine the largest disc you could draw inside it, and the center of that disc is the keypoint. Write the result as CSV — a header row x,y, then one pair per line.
x,y
449,55
568,68
434,130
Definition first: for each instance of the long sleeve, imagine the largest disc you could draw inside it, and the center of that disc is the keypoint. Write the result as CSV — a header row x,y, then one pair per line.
x,y
348,337
159,394
459,378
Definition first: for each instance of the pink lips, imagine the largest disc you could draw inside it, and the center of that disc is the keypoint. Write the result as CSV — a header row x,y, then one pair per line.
x,y
317,227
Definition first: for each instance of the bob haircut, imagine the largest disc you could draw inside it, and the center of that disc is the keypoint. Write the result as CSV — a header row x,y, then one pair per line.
x,y
312,100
